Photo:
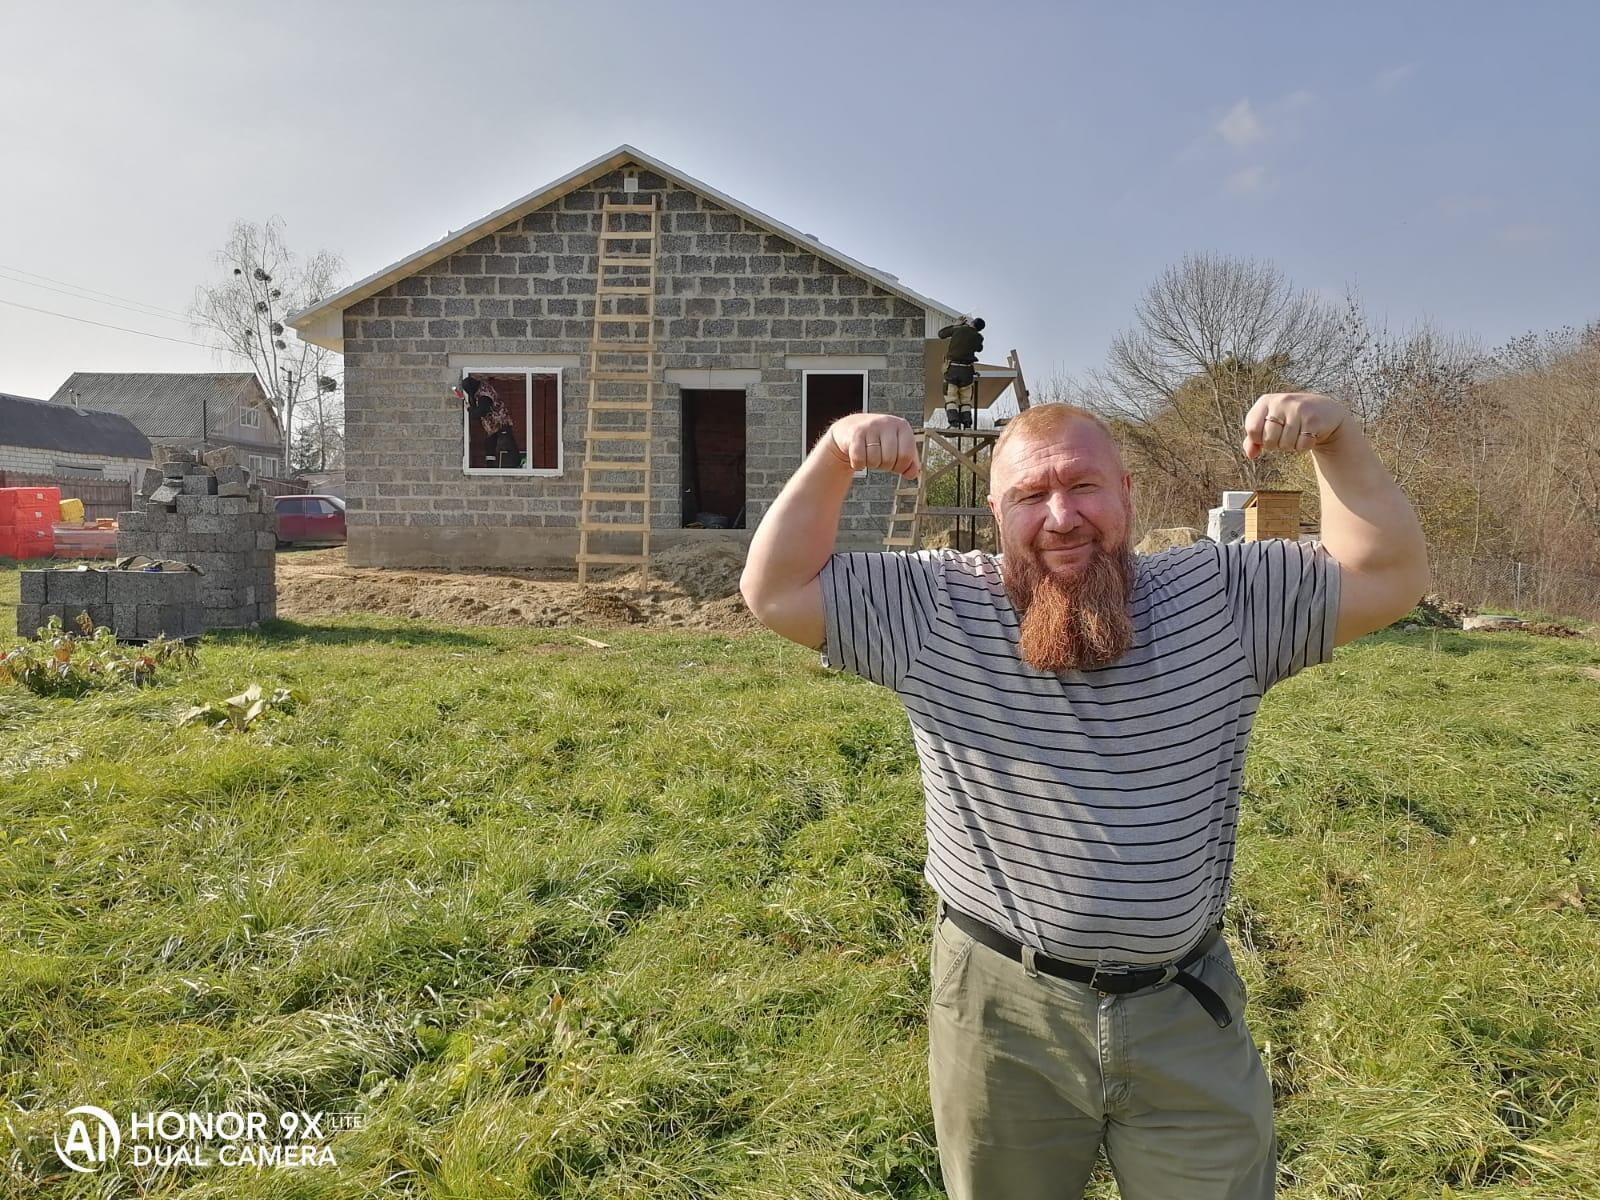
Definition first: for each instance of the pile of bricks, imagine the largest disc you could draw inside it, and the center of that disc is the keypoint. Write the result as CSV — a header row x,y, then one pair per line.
x,y
136,605
205,511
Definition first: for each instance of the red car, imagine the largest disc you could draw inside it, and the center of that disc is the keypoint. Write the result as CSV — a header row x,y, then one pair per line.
x,y
306,519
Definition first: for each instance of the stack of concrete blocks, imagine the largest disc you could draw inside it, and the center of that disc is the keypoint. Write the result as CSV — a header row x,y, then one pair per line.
x,y
204,510
135,605
1226,524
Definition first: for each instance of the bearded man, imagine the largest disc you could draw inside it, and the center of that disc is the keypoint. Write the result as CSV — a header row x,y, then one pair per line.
x,y
1081,717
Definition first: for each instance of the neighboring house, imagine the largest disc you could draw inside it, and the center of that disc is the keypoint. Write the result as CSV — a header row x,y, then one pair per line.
x,y
197,411
63,442
763,336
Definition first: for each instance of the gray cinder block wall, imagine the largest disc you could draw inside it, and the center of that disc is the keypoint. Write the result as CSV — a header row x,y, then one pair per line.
x,y
206,512
729,296
135,605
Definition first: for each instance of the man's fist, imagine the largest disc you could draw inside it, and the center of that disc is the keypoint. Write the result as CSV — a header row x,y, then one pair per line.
x,y
1291,422
875,442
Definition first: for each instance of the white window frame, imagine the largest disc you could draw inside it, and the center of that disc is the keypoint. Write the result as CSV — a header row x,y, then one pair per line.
x,y
255,464
527,372
805,400
249,415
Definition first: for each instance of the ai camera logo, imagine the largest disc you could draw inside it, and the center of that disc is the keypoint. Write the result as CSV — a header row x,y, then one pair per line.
x,y
93,1139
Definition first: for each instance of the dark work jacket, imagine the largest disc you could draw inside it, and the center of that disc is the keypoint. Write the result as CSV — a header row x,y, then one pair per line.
x,y
965,343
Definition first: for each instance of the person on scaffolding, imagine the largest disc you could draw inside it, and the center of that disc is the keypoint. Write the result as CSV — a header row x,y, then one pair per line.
x,y
965,339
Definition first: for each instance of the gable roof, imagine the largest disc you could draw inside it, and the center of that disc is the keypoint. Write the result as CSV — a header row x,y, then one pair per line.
x,y
315,325
41,425
175,404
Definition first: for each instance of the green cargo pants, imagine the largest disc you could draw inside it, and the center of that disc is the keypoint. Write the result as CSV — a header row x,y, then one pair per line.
x,y
1030,1075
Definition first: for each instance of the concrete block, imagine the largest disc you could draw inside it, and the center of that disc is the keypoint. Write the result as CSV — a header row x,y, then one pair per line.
x,y
34,587
75,587
222,456
149,480
231,506
233,488
125,621
165,495
99,615
207,524
189,503
194,618
266,540
152,587
231,617
232,474
29,618
133,520
200,484
196,467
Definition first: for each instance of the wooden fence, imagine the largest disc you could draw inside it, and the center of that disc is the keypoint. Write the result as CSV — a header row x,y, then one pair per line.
x,y
108,497
101,497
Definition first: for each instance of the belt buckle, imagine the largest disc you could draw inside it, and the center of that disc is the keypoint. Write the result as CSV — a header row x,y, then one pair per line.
x,y
1168,974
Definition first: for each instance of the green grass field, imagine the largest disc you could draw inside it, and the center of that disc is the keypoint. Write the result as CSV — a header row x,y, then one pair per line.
x,y
649,921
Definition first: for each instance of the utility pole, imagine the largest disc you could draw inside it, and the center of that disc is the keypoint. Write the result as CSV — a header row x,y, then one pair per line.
x,y
288,427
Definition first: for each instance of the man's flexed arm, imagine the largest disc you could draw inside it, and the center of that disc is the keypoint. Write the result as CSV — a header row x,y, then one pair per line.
x,y
798,532
1368,525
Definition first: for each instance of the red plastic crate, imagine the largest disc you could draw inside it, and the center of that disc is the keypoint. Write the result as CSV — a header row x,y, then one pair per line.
x,y
19,542
13,498
30,517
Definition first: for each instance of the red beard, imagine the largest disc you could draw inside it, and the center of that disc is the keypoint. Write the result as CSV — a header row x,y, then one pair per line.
x,y
1072,622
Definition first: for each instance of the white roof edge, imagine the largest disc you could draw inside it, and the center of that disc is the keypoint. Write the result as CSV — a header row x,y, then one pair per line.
x,y
443,247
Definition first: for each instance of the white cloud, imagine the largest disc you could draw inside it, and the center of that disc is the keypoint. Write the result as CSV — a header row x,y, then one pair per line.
x,y
1390,78
1247,180
1240,126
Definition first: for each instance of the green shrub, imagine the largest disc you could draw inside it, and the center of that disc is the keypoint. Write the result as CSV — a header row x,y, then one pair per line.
x,y
59,662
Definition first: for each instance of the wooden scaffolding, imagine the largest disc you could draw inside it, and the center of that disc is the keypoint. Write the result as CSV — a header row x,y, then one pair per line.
x,y
615,501
968,453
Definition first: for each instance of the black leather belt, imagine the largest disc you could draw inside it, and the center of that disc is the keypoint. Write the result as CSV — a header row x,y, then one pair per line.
x,y
1114,983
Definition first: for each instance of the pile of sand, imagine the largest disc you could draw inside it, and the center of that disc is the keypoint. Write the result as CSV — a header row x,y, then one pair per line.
x,y
690,587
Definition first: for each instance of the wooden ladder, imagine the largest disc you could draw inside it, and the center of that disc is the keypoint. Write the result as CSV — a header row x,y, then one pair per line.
x,y
622,378
907,508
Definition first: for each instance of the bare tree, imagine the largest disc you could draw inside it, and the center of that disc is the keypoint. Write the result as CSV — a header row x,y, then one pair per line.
x,y
1414,392
243,318
1546,473
1210,336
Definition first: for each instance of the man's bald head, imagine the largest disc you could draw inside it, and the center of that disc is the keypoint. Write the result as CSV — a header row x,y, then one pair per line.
x,y
1047,424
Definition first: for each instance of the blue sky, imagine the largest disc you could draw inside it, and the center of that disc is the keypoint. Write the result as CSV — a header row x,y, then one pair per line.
x,y
1036,163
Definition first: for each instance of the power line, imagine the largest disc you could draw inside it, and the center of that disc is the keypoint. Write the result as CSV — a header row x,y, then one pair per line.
x,y
76,296
122,328
92,291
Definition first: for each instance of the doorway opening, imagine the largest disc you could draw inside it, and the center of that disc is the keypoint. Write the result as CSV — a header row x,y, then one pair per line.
x,y
713,458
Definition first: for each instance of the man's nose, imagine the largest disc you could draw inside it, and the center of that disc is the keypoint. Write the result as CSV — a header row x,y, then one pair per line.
x,y
1062,514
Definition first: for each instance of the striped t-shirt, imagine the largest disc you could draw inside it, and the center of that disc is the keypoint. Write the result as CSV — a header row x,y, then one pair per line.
x,y
1089,814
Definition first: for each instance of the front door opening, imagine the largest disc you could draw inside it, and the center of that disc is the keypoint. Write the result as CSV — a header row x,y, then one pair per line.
x,y
713,459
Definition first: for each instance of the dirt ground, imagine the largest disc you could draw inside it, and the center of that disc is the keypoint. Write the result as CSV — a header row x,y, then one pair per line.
x,y
690,587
